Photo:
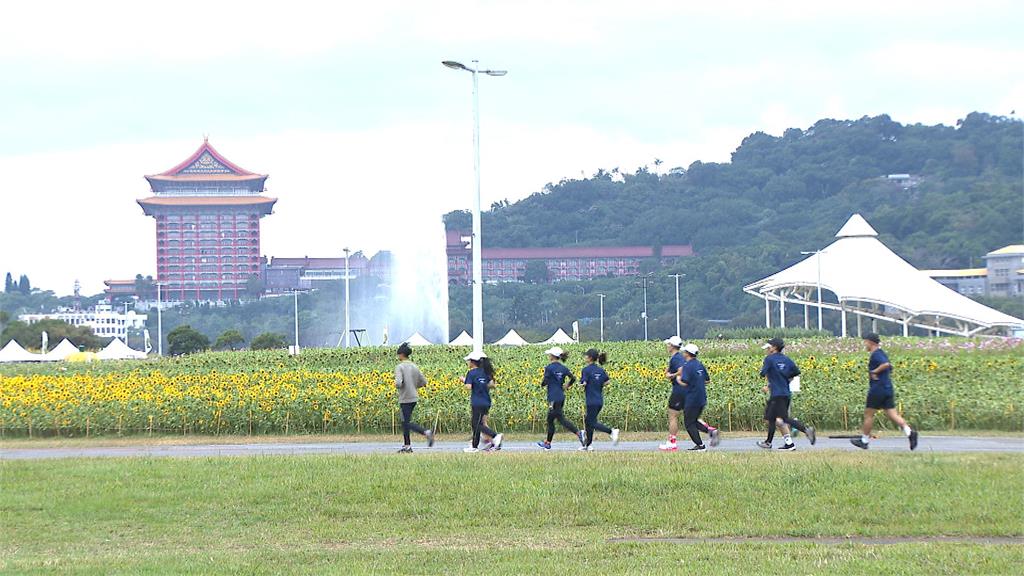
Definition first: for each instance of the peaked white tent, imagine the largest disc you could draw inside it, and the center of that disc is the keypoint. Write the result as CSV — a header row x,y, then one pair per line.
x,y
417,339
60,351
118,350
13,352
463,339
512,338
559,337
869,280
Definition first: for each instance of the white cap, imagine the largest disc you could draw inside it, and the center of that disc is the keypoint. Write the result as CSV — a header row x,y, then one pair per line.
x,y
675,341
765,346
475,356
691,349
555,351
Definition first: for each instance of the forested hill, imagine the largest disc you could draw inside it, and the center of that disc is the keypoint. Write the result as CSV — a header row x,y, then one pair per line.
x,y
781,195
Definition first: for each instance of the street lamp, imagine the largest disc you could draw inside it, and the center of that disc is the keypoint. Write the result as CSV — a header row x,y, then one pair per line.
x,y
817,253
478,289
296,294
645,278
345,336
159,323
602,316
679,330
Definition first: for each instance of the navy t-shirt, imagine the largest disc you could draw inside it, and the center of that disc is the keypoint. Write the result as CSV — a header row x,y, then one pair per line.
x,y
554,378
674,364
593,379
480,395
882,386
696,377
778,368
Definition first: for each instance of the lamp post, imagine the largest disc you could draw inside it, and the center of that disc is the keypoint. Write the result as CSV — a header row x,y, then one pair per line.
x,y
159,324
296,294
478,289
346,297
679,330
645,278
817,254
602,316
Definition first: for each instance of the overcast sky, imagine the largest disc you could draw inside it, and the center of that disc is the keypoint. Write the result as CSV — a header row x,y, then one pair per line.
x,y
365,135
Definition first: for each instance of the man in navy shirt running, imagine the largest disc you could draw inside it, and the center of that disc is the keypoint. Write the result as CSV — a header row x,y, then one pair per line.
x,y
778,369
880,395
694,377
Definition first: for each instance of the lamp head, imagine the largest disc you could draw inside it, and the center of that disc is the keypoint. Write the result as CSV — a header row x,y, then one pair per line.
x,y
454,65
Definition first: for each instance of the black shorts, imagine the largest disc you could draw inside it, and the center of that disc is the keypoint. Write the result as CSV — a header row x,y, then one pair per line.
x,y
880,401
777,407
676,402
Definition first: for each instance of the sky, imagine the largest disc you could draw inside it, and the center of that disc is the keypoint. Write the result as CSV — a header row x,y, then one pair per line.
x,y
367,138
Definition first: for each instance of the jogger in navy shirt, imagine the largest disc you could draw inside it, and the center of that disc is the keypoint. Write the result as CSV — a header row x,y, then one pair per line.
x,y
778,369
693,376
880,395
593,379
479,381
555,377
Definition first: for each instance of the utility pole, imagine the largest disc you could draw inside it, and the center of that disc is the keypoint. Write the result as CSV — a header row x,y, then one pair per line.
x,y
679,329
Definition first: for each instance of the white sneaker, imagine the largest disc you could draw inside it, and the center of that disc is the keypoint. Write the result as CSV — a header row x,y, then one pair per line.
x,y
590,448
583,448
470,450
497,441
668,447
615,435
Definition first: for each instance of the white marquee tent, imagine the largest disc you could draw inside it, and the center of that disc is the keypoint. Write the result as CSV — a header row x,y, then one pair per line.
x,y
869,280
13,352
559,337
417,339
60,351
512,338
118,350
463,339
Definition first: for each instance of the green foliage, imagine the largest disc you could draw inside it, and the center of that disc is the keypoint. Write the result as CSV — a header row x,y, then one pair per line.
x,y
30,335
229,340
9,285
184,340
536,272
269,341
762,333
24,286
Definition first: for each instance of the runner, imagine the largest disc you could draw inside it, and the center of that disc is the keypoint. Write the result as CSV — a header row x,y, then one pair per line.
x,y
880,395
555,376
677,398
479,381
778,369
694,377
593,379
407,379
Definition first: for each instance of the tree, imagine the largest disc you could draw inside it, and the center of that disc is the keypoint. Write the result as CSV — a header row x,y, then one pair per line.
x,y
269,341
255,286
24,286
9,285
185,340
145,288
229,340
536,272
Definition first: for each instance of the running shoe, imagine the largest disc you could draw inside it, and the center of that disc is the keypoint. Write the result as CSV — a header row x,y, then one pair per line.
x,y
668,447
615,435
470,450
497,441
430,438
544,445
488,447
788,447
583,437
764,444
859,443
590,448
697,448
812,435
583,448
405,450
714,437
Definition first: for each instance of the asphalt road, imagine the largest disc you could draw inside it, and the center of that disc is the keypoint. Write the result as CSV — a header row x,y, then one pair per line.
x,y
563,443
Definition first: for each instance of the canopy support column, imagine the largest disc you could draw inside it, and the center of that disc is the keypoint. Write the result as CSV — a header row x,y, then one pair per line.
x,y
859,333
782,310
906,326
842,315
767,312
807,317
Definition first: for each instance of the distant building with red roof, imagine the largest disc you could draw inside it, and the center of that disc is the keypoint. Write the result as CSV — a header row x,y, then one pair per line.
x,y
570,263
207,212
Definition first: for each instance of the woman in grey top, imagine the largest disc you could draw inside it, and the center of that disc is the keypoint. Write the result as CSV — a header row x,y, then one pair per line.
x,y
407,379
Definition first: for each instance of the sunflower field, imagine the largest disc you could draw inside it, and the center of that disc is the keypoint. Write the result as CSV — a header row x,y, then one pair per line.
x,y
941,384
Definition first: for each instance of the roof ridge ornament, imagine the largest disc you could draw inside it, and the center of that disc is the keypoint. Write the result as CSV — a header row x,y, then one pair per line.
x,y
856,226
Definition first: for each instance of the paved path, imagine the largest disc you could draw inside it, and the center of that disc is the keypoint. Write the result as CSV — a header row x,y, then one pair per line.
x,y
562,444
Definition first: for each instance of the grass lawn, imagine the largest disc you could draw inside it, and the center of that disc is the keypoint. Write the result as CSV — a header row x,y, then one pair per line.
x,y
510,513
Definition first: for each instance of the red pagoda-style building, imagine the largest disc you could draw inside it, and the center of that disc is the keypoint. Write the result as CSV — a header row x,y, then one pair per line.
x,y
207,212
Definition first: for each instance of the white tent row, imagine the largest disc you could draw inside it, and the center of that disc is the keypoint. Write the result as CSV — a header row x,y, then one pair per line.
x,y
116,350
512,338
60,351
871,281
13,352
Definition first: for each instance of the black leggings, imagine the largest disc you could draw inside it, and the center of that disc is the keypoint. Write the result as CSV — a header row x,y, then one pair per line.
x,y
478,424
778,408
555,413
691,416
591,423
407,423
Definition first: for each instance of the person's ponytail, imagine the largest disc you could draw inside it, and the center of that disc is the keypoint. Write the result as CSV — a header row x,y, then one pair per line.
x,y
488,367
602,357
564,356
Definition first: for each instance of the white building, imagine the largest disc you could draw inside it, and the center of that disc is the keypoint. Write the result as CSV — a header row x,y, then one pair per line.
x,y
102,320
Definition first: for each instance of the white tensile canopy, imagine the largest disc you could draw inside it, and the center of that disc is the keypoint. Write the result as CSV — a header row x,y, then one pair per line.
x,y
559,337
870,280
417,339
118,350
512,338
13,352
463,339
60,351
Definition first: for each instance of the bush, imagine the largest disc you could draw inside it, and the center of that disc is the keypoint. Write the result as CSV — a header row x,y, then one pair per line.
x,y
269,341
763,333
